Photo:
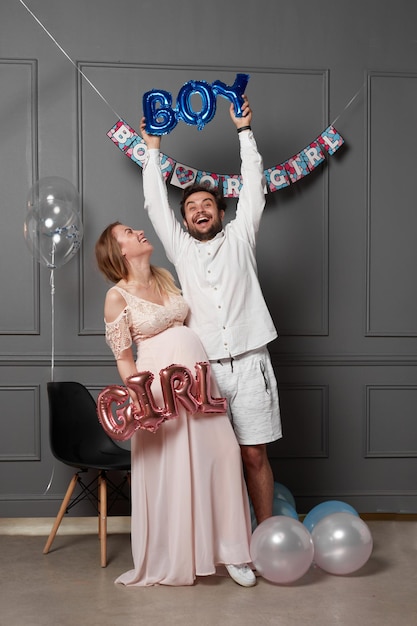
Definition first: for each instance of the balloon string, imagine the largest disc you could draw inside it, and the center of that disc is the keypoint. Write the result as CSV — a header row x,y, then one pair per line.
x,y
69,58
351,101
52,284
50,481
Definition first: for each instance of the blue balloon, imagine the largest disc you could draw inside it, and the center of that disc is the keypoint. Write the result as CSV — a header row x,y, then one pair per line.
x,y
283,493
254,523
282,507
160,118
208,103
233,93
324,509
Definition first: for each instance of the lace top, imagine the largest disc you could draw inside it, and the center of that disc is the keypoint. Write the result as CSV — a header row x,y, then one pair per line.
x,y
141,319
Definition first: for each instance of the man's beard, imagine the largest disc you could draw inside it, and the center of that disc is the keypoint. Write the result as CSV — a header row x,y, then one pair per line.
x,y
215,228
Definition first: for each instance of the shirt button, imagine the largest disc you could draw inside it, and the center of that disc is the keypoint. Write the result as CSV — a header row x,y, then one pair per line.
x,y
219,306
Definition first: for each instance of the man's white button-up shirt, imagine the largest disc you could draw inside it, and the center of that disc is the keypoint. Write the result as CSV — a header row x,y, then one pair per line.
x,y
218,277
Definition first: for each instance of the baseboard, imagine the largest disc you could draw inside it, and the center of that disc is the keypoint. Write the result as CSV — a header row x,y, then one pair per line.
x,y
41,526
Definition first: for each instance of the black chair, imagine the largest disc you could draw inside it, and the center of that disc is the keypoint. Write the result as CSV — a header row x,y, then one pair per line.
x,y
78,439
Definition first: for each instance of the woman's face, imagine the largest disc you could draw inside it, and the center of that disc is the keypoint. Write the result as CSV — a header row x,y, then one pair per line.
x,y
132,243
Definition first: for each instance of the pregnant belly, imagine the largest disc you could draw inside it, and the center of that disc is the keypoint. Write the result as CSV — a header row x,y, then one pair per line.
x,y
177,345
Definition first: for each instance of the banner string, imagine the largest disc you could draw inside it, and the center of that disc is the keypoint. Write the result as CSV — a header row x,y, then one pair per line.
x,y
69,58
351,101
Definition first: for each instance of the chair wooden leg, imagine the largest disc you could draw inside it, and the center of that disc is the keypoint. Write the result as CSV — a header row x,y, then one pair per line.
x,y
103,518
61,513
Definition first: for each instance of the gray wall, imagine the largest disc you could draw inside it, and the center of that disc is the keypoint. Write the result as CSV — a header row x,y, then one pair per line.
x,y
336,250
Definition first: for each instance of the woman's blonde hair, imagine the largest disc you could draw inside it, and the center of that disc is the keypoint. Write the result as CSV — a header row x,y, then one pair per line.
x,y
113,264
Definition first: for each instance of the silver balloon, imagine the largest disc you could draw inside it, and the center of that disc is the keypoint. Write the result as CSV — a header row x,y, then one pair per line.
x,y
281,549
55,196
53,229
342,543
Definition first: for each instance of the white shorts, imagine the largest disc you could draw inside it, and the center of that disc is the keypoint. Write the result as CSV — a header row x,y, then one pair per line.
x,y
249,385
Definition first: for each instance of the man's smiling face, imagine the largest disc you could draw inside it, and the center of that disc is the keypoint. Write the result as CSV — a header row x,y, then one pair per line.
x,y
203,219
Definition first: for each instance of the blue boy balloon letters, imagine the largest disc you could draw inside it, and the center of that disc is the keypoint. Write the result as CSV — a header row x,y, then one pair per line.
x,y
161,118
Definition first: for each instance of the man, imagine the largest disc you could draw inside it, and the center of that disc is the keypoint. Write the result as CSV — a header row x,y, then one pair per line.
x,y
217,270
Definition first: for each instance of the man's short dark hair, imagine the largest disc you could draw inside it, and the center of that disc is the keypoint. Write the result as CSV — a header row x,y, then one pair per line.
x,y
196,187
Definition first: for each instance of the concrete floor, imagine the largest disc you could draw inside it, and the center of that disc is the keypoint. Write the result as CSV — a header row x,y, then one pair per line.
x,y
68,587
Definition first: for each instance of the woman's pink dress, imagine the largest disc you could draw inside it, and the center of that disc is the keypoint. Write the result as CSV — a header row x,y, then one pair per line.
x,y
190,507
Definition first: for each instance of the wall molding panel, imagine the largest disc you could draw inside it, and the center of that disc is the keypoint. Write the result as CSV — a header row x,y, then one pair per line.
x,y
391,308
305,417
20,423
391,425
19,312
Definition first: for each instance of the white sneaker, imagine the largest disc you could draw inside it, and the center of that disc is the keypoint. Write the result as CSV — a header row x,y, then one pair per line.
x,y
242,575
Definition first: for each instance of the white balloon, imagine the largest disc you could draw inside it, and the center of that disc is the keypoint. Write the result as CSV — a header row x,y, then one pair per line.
x,y
281,549
342,543
53,228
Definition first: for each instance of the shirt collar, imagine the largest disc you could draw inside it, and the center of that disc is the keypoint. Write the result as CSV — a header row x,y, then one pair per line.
x,y
219,235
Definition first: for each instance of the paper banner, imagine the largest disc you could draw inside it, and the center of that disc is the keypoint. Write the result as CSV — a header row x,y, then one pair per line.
x,y
330,140
313,155
183,175
208,178
127,140
305,161
231,186
277,177
296,167
122,135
